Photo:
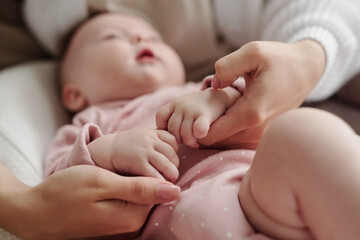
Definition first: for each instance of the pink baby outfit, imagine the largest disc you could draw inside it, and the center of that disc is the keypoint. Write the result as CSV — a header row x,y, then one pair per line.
x,y
209,178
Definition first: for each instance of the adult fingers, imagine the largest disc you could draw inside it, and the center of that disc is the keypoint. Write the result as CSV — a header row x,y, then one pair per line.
x,y
235,64
120,217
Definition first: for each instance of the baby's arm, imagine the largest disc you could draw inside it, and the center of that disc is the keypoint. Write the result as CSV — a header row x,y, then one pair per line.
x,y
189,117
138,151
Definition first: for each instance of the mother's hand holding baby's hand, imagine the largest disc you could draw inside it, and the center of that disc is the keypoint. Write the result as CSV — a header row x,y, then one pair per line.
x,y
80,202
278,78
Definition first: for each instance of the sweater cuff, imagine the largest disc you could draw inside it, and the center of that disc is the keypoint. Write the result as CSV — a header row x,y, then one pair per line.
x,y
328,42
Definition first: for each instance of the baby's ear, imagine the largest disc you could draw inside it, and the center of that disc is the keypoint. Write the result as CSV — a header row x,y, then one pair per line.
x,y
72,97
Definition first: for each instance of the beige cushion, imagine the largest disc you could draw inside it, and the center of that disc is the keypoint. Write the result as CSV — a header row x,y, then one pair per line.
x,y
30,115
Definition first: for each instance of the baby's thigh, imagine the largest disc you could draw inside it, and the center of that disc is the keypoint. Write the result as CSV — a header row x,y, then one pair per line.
x,y
299,152
277,216
266,194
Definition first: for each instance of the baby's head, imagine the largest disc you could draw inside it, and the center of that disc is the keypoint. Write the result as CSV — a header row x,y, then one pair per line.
x,y
113,57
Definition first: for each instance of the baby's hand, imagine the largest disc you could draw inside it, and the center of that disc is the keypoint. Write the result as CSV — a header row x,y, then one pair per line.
x,y
189,117
139,151
146,152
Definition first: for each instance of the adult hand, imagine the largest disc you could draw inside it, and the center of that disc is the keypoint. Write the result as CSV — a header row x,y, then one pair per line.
x,y
278,77
80,202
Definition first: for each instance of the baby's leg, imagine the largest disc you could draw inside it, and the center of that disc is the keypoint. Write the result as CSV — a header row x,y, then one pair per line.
x,y
304,182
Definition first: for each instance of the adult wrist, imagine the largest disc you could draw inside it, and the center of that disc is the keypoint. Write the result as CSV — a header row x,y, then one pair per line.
x,y
14,210
314,57
329,43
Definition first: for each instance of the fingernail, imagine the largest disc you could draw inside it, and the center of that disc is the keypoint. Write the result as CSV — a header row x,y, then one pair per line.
x,y
215,83
168,191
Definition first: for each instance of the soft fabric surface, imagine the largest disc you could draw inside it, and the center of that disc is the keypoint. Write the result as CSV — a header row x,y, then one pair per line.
x,y
30,114
209,207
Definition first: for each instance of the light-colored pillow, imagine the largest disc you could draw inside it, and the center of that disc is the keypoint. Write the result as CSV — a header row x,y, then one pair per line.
x,y
30,113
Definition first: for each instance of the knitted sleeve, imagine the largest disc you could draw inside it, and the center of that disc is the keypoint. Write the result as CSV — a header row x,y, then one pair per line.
x,y
335,24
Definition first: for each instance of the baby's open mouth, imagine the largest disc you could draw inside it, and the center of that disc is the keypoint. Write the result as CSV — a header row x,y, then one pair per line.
x,y
145,55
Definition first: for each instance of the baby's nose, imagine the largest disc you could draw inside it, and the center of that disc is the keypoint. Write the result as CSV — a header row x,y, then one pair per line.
x,y
140,38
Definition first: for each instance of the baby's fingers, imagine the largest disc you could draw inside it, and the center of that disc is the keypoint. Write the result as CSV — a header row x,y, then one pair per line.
x,y
164,166
163,115
174,124
201,126
168,138
186,132
168,147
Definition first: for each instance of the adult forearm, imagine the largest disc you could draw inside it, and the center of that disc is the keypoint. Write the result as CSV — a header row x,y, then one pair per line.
x,y
332,23
11,192
8,181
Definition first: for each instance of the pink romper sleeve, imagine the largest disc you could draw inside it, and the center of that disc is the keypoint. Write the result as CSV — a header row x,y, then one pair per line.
x,y
69,147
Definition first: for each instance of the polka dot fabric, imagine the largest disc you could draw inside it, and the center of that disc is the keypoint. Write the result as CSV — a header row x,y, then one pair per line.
x,y
209,207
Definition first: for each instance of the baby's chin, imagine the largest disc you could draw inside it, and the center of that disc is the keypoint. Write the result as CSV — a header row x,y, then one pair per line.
x,y
156,82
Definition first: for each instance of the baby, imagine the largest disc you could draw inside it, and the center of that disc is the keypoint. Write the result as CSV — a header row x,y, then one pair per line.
x,y
119,76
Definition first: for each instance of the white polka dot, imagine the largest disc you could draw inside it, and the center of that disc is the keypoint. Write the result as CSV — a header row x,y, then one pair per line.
x,y
172,229
202,197
156,224
221,158
171,208
229,235
226,209
202,224
184,157
242,153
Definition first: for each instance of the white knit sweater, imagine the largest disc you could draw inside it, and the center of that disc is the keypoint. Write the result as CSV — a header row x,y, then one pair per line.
x,y
335,24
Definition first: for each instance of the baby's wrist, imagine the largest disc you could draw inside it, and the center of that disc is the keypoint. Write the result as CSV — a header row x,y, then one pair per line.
x,y
101,151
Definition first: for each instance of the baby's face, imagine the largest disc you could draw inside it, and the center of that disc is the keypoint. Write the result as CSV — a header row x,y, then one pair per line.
x,y
116,57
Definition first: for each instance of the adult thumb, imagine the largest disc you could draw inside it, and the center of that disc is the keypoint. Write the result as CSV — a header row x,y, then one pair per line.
x,y
142,190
